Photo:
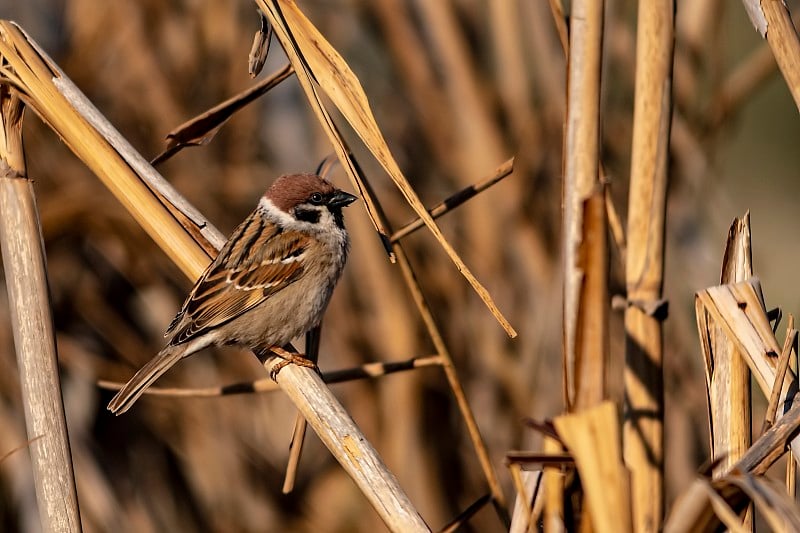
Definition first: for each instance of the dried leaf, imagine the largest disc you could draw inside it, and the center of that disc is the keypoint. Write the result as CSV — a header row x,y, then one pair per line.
x,y
204,127
260,49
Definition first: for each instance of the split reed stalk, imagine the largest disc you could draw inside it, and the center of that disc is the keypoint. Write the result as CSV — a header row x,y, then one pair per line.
x,y
729,382
644,389
32,323
585,309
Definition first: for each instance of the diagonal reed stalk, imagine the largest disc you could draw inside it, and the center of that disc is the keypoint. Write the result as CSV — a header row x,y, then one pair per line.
x,y
774,23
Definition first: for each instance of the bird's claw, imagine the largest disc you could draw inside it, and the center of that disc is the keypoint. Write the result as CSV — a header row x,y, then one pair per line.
x,y
288,358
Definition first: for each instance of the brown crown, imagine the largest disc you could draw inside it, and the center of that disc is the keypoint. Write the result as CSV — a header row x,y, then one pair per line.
x,y
293,189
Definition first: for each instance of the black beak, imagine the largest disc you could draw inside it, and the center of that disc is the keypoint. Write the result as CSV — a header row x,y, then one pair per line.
x,y
341,199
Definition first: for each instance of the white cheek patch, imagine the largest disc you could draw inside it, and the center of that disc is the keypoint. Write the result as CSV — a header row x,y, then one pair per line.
x,y
324,224
326,229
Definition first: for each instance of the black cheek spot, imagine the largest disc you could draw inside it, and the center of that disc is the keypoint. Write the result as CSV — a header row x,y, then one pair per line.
x,y
307,215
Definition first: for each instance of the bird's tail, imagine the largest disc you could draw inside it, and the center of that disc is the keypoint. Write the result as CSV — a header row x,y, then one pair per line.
x,y
145,377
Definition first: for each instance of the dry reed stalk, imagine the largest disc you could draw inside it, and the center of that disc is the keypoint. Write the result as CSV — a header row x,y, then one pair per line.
x,y
463,517
779,512
697,510
366,371
455,200
557,10
340,435
524,496
789,346
32,322
774,23
260,47
498,499
727,375
791,464
585,310
553,514
644,269
593,438
524,516
739,310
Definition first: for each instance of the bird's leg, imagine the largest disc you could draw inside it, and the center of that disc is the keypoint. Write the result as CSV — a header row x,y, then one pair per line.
x,y
289,358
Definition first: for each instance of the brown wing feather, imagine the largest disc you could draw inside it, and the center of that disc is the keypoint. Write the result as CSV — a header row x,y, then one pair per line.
x,y
252,266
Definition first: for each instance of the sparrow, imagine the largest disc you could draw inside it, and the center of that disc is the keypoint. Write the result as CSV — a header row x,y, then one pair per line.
x,y
269,284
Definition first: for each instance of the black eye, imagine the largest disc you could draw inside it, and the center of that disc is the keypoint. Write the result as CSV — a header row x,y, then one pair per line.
x,y
316,198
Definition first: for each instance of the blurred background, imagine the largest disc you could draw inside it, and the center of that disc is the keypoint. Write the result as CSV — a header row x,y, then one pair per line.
x,y
458,87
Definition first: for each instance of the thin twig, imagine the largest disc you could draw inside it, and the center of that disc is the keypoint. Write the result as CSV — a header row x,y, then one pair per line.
x,y
643,432
780,374
560,21
466,514
22,446
456,199
516,477
313,338
366,371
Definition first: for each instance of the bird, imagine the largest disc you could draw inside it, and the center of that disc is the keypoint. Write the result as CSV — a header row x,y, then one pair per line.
x,y
269,284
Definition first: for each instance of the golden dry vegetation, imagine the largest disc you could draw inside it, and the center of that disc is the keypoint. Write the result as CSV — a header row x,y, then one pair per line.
x,y
457,89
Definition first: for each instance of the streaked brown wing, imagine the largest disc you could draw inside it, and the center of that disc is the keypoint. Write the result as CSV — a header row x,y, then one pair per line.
x,y
258,260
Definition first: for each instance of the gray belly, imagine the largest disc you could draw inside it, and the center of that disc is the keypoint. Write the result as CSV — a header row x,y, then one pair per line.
x,y
286,315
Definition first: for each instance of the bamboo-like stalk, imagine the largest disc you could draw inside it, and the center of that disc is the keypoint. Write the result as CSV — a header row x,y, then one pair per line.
x,y
343,438
644,413
729,380
32,323
585,309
